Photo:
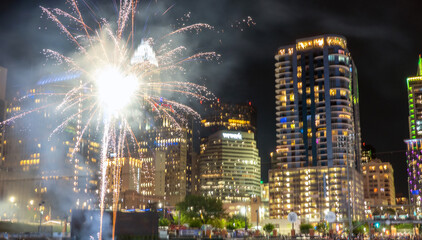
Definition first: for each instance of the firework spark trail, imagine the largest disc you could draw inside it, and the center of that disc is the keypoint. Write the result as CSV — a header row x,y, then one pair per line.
x,y
39,94
61,58
61,26
73,102
81,20
9,120
65,14
63,124
168,9
104,163
203,55
70,96
202,92
117,171
185,108
197,27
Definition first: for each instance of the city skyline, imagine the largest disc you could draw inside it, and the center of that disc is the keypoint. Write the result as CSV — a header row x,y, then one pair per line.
x,y
371,51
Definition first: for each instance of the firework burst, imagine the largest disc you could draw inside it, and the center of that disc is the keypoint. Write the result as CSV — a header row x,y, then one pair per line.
x,y
115,80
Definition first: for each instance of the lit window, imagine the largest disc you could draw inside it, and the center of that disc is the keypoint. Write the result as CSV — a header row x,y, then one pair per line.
x,y
282,52
319,42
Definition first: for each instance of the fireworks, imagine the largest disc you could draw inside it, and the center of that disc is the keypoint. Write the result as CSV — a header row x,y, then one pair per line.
x,y
114,80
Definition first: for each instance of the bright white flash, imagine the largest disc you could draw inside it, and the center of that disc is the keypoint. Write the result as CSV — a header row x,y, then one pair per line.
x,y
115,89
144,53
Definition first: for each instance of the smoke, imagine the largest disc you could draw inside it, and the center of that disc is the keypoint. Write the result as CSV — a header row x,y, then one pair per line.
x,y
85,225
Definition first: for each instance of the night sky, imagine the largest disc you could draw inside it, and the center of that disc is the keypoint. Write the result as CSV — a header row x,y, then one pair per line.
x,y
384,38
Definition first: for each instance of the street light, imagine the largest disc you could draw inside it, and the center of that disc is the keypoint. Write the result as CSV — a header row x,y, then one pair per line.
x,y
31,202
160,205
243,211
12,199
41,213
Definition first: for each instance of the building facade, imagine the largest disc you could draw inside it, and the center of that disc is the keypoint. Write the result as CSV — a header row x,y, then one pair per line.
x,y
167,156
378,179
414,143
218,116
230,167
317,159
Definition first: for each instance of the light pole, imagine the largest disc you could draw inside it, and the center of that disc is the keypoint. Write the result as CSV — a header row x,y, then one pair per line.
x,y
13,212
41,204
243,209
161,206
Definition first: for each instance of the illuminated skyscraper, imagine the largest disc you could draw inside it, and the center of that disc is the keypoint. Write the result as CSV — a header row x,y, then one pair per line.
x,y
317,160
230,168
167,152
414,144
414,91
219,116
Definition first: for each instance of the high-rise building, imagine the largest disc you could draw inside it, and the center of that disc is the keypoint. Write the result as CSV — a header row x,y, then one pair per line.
x,y
230,168
167,155
414,144
414,91
378,183
368,153
226,116
220,116
316,167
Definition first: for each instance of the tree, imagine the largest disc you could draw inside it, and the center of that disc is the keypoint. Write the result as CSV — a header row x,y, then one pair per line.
x,y
195,223
183,219
200,207
236,222
305,227
163,222
322,227
218,223
359,228
268,228
390,211
376,212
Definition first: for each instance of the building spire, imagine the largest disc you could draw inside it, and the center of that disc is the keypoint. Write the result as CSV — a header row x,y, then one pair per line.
x,y
419,73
